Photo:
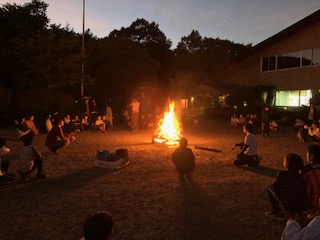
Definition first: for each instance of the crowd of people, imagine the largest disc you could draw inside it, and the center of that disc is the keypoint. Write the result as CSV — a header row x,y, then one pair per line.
x,y
262,123
294,195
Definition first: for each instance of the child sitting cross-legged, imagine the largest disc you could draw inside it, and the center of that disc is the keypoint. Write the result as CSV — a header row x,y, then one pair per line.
x,y
288,191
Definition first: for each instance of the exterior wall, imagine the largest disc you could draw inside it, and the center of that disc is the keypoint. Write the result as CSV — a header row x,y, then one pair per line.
x,y
248,71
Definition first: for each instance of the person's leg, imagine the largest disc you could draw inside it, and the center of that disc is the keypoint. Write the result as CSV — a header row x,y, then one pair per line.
x,y
241,160
55,146
275,209
253,161
38,162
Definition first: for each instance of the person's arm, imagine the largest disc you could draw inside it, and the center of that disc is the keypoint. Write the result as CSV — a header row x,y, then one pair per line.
x,y
36,153
291,230
62,136
4,150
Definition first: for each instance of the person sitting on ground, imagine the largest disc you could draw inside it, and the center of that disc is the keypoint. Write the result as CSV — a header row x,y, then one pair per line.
x,y
311,175
56,139
253,120
105,120
314,132
48,123
29,158
98,226
100,125
294,229
183,159
150,121
77,124
241,120
234,121
248,154
30,124
3,163
274,128
288,191
85,122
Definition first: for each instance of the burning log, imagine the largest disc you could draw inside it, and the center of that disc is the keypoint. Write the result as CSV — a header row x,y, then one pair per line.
x,y
168,130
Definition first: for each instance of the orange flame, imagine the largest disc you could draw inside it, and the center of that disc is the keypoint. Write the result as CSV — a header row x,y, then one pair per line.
x,y
168,131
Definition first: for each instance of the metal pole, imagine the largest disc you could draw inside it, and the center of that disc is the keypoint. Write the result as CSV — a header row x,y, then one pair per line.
x,y
82,54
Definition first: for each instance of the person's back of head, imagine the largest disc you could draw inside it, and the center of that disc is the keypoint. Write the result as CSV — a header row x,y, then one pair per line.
x,y
98,226
248,127
294,162
314,153
183,142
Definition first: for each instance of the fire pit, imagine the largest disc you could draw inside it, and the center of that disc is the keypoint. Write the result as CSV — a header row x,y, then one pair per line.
x,y
169,131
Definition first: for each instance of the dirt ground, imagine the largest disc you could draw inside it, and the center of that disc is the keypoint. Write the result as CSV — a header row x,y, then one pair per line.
x,y
146,198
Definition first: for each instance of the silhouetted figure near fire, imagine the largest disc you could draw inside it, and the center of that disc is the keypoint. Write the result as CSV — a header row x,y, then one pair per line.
x,y
183,159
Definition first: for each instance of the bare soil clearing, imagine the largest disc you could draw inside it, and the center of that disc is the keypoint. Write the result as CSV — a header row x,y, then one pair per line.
x,y
146,198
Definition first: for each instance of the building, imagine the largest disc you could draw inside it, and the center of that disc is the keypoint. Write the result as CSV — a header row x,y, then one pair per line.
x,y
289,60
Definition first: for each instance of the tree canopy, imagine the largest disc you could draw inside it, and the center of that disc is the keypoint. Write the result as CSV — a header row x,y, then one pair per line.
x,y
42,59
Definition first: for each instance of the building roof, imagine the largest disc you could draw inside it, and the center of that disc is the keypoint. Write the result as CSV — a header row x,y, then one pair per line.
x,y
314,17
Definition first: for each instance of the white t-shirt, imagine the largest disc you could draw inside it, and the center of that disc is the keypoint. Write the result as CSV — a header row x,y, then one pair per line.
x,y
293,230
251,141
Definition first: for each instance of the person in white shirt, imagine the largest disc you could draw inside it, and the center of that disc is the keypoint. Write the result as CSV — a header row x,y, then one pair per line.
x,y
248,154
294,230
100,124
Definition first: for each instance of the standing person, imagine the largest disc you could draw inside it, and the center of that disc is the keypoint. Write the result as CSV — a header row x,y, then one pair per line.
x,y
93,111
312,114
98,226
288,191
30,158
56,139
183,159
311,175
265,120
135,107
248,154
109,114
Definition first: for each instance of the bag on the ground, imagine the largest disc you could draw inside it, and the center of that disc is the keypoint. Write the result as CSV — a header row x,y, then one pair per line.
x,y
122,153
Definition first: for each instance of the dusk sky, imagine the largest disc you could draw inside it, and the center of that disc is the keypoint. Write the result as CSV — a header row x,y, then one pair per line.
x,y
241,21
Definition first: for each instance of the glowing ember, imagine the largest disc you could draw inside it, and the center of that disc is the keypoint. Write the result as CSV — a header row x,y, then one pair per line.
x,y
168,131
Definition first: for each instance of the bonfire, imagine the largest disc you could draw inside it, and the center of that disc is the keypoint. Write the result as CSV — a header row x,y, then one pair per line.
x,y
169,130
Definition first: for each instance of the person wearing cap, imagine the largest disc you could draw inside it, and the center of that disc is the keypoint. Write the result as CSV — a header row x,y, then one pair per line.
x,y
29,158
